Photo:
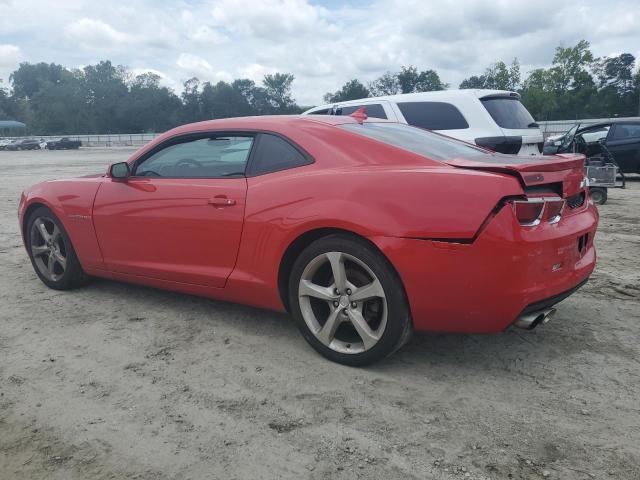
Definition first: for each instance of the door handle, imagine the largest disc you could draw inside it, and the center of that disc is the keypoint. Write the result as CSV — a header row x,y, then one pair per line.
x,y
221,201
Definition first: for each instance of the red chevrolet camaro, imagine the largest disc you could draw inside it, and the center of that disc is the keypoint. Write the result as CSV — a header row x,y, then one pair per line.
x,y
363,229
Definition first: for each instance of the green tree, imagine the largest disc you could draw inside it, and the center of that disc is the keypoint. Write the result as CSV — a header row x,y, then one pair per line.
x,y
474,81
150,107
106,96
410,80
387,84
191,101
5,103
222,100
616,72
29,78
352,90
538,95
278,90
498,76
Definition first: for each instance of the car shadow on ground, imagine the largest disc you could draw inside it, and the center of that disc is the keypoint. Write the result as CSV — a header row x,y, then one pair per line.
x,y
503,350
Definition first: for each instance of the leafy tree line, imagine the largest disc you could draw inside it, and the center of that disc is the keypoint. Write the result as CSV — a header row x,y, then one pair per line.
x,y
576,85
105,98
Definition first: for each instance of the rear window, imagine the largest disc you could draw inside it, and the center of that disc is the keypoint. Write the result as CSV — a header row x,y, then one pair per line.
x,y
416,140
433,115
508,112
273,154
374,110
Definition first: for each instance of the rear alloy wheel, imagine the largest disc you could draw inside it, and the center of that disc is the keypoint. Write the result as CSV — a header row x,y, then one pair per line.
x,y
598,195
51,252
348,301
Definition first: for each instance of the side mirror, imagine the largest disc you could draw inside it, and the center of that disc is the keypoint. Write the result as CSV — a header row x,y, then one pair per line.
x,y
119,170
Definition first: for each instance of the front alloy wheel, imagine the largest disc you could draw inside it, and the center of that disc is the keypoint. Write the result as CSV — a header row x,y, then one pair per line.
x,y
51,251
48,249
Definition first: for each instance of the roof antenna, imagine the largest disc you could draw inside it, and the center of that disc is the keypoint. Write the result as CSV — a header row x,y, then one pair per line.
x,y
360,115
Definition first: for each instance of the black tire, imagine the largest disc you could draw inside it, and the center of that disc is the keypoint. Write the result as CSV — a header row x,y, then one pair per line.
x,y
598,195
398,327
72,276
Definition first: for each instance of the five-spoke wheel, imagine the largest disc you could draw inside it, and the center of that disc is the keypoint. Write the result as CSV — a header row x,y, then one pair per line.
x,y
348,300
350,314
48,249
51,252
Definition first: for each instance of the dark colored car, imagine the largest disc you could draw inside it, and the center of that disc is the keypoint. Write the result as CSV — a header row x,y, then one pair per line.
x,y
26,144
620,137
63,143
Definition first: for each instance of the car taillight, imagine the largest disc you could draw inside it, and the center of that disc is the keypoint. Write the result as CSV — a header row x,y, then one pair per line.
x,y
533,211
553,209
528,212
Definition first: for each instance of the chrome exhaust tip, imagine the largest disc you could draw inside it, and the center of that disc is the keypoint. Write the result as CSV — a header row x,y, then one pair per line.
x,y
529,321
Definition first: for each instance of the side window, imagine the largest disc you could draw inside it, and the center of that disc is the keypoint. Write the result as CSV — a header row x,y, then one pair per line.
x,y
324,111
595,135
433,115
622,131
274,153
210,157
374,110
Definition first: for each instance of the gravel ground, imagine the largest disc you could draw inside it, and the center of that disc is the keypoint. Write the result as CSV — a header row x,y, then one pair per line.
x,y
121,381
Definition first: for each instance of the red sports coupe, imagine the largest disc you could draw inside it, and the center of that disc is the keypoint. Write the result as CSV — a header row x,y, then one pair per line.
x,y
363,229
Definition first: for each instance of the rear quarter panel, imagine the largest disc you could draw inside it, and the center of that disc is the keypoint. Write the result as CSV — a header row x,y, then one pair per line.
x,y
371,202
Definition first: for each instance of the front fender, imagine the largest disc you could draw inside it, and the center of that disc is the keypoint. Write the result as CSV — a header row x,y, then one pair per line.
x,y
71,201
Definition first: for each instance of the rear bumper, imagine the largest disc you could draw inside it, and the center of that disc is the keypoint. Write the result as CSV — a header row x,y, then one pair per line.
x,y
486,285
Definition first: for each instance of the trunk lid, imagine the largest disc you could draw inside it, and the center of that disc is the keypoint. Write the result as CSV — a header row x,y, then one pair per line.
x,y
565,169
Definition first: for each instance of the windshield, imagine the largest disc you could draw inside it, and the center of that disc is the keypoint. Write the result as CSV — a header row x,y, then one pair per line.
x,y
417,140
567,140
508,112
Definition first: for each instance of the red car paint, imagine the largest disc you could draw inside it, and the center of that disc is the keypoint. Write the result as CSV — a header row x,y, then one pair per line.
x,y
466,263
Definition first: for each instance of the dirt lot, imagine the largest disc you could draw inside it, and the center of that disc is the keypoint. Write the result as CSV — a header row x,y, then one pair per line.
x,y
120,381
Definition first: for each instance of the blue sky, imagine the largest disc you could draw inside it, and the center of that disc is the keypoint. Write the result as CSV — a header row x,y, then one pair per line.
x,y
323,43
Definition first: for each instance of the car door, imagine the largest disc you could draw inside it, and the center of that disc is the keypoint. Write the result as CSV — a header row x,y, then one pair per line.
x,y
590,139
624,144
179,216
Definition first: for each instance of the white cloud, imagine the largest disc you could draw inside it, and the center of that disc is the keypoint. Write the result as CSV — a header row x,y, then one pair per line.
x,y
194,65
272,20
9,55
322,44
255,71
95,33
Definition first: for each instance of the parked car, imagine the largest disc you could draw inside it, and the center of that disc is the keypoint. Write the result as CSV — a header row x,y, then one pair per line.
x,y
63,143
25,144
621,137
494,119
363,229
4,142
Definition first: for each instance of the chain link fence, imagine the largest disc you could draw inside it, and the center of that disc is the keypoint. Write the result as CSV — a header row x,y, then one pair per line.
x,y
107,140
549,128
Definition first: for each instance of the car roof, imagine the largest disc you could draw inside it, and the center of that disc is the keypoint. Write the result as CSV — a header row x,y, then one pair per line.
x,y
609,122
282,124
439,95
267,122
